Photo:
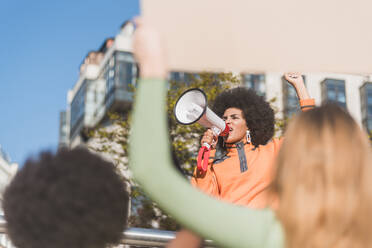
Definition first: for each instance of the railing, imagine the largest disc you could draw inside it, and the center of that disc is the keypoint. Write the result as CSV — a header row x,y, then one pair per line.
x,y
138,236
147,237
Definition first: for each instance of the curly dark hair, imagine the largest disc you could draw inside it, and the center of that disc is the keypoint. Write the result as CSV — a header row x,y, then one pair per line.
x,y
257,112
71,199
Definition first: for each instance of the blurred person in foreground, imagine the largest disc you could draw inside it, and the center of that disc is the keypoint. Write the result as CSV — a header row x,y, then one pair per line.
x,y
324,181
323,178
71,199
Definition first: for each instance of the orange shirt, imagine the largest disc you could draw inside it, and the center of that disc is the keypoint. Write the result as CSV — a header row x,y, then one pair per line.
x,y
243,182
229,180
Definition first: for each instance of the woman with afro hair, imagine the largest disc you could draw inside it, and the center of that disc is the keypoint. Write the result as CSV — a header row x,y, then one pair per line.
x,y
241,166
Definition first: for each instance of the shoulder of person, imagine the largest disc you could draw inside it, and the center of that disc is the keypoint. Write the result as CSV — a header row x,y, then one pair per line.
x,y
275,141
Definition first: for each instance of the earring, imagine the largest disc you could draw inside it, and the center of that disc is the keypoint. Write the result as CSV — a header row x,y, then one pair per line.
x,y
248,135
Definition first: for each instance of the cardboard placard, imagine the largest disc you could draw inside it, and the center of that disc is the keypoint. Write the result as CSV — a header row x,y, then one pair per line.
x,y
264,35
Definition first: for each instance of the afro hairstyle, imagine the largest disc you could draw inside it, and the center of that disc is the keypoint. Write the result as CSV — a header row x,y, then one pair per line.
x,y
71,199
257,113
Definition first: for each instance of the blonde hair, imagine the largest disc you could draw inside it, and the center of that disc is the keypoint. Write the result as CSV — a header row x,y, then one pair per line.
x,y
324,181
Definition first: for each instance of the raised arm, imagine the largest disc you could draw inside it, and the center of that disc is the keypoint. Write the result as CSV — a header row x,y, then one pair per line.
x,y
297,82
150,162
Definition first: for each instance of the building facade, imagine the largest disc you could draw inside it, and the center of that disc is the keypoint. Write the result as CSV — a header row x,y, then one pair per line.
x,y
108,75
7,171
352,92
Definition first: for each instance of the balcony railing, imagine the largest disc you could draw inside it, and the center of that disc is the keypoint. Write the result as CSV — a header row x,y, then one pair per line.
x,y
137,236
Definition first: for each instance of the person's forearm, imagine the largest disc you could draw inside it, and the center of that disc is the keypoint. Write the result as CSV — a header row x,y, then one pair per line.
x,y
302,92
306,103
185,239
153,71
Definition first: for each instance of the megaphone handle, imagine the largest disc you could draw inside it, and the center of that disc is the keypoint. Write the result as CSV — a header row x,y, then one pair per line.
x,y
203,157
206,159
200,158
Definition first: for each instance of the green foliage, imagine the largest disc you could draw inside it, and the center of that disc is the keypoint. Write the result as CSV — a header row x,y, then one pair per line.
x,y
110,139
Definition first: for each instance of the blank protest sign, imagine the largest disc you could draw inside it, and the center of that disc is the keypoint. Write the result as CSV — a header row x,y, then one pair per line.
x,y
260,36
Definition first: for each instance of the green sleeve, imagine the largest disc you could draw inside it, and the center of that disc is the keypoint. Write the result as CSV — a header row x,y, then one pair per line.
x,y
150,161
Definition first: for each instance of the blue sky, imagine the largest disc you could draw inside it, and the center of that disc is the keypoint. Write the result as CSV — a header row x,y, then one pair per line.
x,y
42,44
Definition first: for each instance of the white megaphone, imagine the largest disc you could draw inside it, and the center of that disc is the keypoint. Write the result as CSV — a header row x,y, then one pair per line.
x,y
192,107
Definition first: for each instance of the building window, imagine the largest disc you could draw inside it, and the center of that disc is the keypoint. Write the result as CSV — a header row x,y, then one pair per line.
x,y
366,104
182,77
176,76
108,75
255,82
290,98
78,107
63,129
120,77
125,70
333,90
